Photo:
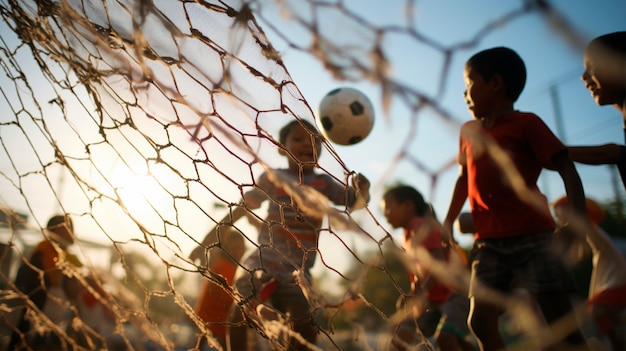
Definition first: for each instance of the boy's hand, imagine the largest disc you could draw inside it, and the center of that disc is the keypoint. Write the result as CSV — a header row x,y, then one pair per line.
x,y
447,238
466,223
414,305
199,253
359,181
362,187
569,243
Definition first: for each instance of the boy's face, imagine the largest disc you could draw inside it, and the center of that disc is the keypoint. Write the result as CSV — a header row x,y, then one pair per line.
x,y
478,93
64,233
299,143
605,81
397,213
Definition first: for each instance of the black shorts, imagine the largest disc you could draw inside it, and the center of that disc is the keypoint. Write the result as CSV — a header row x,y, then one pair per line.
x,y
521,262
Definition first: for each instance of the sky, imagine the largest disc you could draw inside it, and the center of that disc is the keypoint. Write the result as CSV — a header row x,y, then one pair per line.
x,y
554,68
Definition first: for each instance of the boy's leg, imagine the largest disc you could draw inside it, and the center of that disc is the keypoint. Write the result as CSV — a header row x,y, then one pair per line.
x,y
483,322
610,317
487,270
448,341
303,324
404,335
555,306
490,270
253,286
429,320
453,333
289,299
237,330
618,339
550,281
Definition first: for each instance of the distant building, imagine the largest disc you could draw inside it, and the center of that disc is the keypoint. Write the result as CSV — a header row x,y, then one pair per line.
x,y
8,216
14,232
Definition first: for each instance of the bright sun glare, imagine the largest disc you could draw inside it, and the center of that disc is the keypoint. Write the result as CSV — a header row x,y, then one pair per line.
x,y
139,192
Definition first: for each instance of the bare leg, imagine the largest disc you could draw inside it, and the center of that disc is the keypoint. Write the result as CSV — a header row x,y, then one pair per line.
x,y
483,322
451,342
302,323
237,331
403,335
556,306
448,342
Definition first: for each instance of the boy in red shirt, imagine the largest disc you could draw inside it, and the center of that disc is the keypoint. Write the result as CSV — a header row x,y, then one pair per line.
x,y
501,154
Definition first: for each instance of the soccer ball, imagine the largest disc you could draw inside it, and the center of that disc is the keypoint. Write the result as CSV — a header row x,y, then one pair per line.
x,y
346,116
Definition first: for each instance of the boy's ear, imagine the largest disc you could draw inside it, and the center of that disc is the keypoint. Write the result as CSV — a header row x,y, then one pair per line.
x,y
497,83
408,203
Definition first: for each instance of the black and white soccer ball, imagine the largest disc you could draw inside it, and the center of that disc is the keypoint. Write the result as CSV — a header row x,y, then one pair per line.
x,y
346,116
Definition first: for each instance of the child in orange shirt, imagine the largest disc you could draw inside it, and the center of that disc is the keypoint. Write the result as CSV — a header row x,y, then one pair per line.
x,y
215,300
44,259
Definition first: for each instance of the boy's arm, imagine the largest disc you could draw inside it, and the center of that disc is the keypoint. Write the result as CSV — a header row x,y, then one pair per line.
x,y
425,281
199,253
596,155
456,204
252,199
574,189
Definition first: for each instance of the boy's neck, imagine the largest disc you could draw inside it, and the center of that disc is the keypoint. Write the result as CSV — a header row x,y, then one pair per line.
x,y
495,115
298,170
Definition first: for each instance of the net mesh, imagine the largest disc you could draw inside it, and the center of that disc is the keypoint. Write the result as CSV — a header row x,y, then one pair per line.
x,y
147,121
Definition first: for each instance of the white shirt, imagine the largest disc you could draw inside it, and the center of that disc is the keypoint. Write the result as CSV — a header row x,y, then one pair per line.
x,y
609,265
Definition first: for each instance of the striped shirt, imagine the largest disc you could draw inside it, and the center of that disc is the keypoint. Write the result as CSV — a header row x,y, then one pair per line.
x,y
289,231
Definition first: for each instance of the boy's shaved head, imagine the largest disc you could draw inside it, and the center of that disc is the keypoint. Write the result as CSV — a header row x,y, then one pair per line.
x,y
504,62
614,43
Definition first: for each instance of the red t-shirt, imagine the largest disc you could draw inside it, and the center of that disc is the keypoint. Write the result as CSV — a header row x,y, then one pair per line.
x,y
529,144
439,293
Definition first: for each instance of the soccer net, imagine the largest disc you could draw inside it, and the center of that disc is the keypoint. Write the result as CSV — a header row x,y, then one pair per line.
x,y
146,122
